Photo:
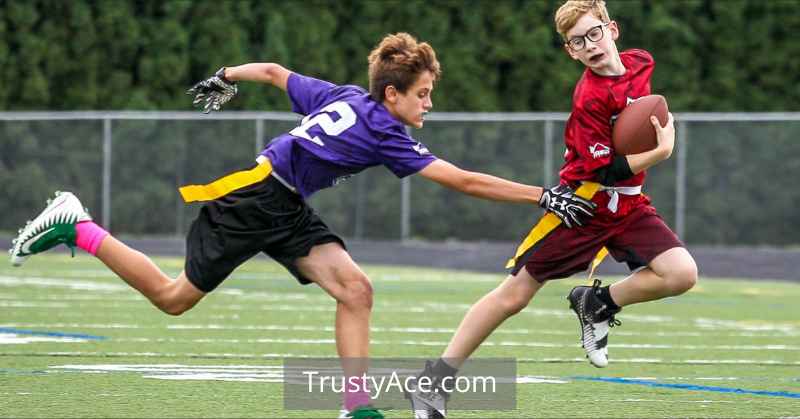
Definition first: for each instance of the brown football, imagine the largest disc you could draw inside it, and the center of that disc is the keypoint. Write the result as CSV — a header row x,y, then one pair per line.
x,y
633,133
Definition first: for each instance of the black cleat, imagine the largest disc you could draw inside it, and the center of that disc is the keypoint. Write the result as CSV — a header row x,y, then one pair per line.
x,y
595,319
427,404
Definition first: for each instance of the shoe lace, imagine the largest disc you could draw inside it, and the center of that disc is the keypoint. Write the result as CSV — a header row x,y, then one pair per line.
x,y
600,312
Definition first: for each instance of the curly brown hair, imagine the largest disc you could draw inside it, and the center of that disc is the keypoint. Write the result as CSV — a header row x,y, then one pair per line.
x,y
398,61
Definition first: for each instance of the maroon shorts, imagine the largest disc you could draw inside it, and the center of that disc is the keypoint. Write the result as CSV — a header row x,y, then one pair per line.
x,y
635,239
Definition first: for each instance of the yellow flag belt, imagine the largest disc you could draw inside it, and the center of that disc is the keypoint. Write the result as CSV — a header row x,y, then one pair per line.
x,y
226,184
550,221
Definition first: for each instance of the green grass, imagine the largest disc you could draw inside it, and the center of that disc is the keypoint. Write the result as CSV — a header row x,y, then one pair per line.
x,y
724,334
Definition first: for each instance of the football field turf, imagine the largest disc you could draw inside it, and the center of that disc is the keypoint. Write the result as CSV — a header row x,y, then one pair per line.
x,y
75,341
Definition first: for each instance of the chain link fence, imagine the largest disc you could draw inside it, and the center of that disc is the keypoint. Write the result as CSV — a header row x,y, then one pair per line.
x,y
729,182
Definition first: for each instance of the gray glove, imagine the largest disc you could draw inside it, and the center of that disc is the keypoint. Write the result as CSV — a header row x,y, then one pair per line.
x,y
570,208
213,92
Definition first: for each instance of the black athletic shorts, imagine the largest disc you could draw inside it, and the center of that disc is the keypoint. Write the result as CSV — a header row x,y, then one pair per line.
x,y
263,217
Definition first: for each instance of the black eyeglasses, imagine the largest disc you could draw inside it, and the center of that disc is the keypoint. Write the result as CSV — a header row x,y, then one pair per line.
x,y
594,34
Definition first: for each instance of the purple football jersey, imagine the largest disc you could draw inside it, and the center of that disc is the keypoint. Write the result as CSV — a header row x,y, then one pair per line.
x,y
343,132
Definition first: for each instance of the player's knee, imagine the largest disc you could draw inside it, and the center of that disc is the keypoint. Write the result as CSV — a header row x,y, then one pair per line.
x,y
513,304
172,302
683,277
358,292
171,305
174,309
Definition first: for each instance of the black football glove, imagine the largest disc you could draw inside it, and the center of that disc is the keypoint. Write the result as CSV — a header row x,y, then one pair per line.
x,y
570,208
213,92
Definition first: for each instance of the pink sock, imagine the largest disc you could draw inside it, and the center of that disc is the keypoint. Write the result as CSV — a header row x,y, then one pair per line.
x,y
356,393
89,236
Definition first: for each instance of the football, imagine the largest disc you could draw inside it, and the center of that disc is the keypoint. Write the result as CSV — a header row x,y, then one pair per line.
x,y
633,133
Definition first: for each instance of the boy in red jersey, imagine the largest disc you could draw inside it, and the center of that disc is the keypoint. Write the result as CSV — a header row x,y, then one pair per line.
x,y
625,223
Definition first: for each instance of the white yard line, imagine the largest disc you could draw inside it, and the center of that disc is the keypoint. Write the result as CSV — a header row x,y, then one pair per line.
x,y
442,343
276,355
15,339
78,325
276,373
775,332
604,400
40,282
11,338
328,307
760,326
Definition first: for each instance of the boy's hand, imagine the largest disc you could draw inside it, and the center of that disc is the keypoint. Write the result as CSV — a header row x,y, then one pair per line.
x,y
570,208
213,92
665,135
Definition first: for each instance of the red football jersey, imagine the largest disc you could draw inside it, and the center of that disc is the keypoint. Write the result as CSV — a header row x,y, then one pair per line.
x,y
595,104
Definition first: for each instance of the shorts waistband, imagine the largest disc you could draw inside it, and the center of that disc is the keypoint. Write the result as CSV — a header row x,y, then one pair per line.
x,y
261,159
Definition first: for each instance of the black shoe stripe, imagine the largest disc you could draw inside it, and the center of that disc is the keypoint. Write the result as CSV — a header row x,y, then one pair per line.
x,y
602,342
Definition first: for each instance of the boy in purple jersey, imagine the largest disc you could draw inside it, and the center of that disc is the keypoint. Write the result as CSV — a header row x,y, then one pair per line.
x,y
345,130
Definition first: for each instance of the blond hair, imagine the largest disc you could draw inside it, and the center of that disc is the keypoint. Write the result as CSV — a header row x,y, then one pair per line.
x,y
398,61
568,14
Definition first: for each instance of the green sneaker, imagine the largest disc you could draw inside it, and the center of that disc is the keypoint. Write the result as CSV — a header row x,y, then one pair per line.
x,y
54,226
362,412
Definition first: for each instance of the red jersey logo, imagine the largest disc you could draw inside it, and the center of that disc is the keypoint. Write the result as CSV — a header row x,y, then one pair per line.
x,y
599,150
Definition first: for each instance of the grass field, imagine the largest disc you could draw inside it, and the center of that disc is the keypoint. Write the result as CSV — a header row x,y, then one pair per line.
x,y
76,342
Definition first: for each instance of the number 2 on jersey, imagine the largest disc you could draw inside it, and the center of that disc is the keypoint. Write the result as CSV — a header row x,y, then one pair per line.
x,y
347,118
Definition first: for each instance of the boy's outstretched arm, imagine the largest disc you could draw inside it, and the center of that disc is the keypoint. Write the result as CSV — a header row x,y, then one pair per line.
x,y
560,200
220,88
268,73
480,185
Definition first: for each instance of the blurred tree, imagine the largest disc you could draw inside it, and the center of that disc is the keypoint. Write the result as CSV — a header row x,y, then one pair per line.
x,y
118,42
26,80
497,56
5,55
